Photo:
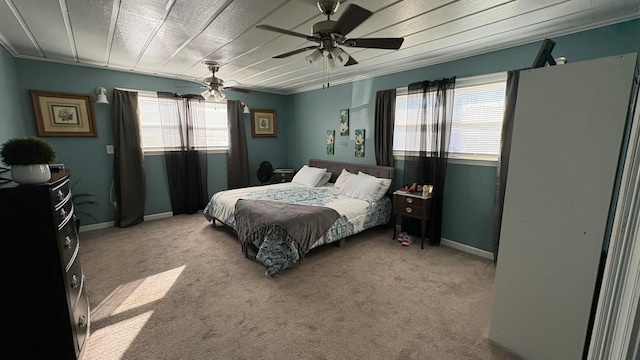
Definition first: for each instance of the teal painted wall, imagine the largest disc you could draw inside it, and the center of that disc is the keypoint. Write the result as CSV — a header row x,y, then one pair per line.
x,y
12,121
87,157
302,121
469,189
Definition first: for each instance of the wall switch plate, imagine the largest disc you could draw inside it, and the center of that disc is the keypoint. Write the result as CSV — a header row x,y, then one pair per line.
x,y
109,149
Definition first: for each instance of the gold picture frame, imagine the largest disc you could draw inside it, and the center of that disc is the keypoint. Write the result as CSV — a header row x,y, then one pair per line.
x,y
63,114
263,123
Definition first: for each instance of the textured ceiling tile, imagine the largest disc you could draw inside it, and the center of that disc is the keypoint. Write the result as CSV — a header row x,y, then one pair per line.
x,y
44,19
172,37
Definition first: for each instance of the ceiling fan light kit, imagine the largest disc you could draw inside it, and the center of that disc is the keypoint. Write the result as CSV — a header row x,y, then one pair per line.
x,y
214,85
330,35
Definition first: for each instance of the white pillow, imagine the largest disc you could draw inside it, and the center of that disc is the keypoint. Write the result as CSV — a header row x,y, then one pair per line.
x,y
324,179
385,184
360,187
341,179
308,176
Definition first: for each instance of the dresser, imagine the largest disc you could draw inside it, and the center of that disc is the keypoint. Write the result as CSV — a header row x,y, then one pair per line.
x,y
44,308
412,205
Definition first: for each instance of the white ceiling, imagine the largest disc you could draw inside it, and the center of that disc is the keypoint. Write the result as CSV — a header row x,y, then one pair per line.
x,y
171,38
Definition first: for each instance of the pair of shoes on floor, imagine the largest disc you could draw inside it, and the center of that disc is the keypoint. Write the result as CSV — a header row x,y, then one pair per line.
x,y
405,239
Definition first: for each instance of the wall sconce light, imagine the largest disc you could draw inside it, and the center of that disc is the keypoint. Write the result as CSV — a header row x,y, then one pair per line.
x,y
102,95
246,109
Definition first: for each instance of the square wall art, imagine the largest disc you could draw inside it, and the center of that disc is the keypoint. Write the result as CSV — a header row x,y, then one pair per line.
x,y
359,142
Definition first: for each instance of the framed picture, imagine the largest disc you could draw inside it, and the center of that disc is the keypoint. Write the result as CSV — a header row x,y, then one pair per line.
x,y
359,142
263,123
344,122
63,114
330,140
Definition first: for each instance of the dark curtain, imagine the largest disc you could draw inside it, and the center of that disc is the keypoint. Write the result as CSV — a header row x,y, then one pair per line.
x,y
383,128
428,131
186,165
238,167
128,165
511,94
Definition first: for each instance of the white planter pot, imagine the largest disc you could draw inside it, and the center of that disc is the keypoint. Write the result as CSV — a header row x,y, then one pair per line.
x,y
30,174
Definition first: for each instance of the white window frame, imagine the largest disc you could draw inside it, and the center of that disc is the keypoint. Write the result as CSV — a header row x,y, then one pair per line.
x,y
462,158
160,151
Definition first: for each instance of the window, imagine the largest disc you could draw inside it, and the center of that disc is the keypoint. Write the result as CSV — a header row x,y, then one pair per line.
x,y
476,123
209,124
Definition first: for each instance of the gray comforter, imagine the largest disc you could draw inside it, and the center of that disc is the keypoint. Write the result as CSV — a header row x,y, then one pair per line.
x,y
298,226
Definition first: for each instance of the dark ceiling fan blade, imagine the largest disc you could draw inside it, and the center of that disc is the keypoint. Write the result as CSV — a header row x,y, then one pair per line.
x,y
351,61
294,52
353,16
287,32
375,43
236,89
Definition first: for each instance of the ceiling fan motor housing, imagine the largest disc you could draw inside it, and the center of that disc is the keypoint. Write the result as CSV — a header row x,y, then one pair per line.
x,y
328,7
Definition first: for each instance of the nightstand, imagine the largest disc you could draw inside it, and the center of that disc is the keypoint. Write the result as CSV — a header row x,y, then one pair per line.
x,y
411,205
283,175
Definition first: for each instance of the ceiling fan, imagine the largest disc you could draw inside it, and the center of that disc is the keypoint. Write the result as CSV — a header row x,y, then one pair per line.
x,y
330,35
214,85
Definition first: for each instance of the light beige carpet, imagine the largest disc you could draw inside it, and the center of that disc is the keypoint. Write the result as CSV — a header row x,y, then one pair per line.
x,y
179,288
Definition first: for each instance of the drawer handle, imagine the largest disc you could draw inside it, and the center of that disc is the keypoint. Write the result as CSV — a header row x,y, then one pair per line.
x,y
68,242
63,213
75,281
82,321
408,210
60,195
409,200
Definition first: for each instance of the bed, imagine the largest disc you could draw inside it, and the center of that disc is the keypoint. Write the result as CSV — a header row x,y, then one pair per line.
x,y
276,247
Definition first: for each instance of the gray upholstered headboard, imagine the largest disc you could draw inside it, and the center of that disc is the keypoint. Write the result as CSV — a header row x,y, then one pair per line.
x,y
335,168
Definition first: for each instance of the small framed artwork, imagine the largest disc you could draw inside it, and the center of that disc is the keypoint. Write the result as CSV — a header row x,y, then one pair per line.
x,y
359,133
330,141
63,114
344,122
263,123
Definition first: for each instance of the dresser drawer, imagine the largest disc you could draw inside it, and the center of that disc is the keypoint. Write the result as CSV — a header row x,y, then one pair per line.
x,y
413,206
68,243
82,322
75,283
60,193
63,212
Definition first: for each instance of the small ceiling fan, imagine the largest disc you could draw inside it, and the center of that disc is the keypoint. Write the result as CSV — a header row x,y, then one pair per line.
x,y
214,85
330,35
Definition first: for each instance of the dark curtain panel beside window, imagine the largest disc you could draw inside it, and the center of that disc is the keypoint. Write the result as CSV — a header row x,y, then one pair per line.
x,y
128,166
383,128
430,105
238,167
186,164
511,94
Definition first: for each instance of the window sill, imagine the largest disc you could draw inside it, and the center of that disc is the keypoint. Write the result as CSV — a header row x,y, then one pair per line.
x,y
161,152
476,161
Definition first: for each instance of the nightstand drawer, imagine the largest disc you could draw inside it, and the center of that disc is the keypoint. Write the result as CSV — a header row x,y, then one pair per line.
x,y
414,206
282,177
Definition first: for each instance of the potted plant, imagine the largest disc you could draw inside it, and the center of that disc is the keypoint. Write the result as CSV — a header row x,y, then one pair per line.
x,y
29,158
80,203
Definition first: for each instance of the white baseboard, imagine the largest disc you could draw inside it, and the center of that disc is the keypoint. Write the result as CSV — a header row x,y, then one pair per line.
x,y
110,224
460,246
466,248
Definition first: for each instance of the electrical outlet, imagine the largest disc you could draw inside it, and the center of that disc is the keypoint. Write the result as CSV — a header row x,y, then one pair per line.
x,y
109,149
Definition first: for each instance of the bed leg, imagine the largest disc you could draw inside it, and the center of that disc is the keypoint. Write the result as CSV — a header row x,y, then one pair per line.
x,y
341,242
245,251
